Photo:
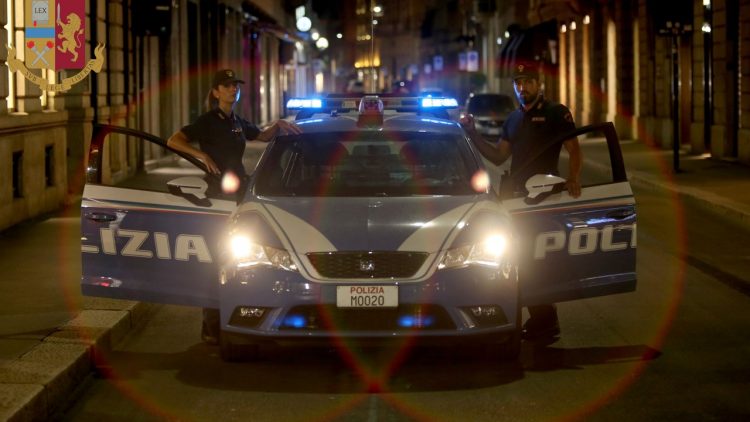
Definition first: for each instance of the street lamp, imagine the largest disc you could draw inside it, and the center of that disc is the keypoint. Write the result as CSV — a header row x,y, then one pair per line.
x,y
304,24
322,43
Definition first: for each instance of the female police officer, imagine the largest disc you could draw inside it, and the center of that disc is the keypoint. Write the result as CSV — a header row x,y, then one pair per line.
x,y
221,135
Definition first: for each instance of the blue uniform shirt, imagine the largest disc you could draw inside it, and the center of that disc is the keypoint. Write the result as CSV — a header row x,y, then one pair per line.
x,y
530,133
223,138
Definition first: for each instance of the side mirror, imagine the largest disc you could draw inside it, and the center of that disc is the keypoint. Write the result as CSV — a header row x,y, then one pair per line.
x,y
540,186
191,188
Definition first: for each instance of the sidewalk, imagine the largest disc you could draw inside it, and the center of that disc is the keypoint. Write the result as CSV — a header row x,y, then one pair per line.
x,y
51,336
720,186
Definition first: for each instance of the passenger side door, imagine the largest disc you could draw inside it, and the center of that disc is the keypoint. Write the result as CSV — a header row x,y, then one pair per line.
x,y
571,248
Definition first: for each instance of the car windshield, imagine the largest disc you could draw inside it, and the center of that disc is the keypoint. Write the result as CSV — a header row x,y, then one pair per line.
x,y
482,104
367,164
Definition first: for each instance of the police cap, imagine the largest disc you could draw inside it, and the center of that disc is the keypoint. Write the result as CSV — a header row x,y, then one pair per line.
x,y
526,70
225,76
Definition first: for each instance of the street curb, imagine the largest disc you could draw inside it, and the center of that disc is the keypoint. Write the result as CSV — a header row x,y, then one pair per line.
x,y
35,386
700,197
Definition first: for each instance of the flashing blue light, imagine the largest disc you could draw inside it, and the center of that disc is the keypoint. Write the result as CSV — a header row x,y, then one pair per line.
x,y
300,103
304,122
442,122
296,321
412,321
438,102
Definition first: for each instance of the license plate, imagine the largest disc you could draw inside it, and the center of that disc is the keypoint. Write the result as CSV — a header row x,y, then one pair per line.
x,y
493,131
367,296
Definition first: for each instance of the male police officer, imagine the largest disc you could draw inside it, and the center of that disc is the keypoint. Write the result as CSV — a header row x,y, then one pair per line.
x,y
526,135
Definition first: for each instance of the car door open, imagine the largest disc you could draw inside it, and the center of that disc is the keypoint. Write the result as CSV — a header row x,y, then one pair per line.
x,y
149,231
571,248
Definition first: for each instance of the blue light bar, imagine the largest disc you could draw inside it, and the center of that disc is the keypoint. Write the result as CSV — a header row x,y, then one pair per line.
x,y
439,102
304,103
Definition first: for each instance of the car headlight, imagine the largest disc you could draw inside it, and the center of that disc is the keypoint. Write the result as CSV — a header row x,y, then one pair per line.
x,y
247,253
487,253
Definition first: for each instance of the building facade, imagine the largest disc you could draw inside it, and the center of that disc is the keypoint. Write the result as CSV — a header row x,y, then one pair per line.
x,y
663,72
159,58
608,60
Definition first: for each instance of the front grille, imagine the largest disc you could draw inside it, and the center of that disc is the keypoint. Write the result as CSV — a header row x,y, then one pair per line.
x,y
342,320
367,264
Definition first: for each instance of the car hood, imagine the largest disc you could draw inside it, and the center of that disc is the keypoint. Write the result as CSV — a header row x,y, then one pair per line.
x,y
367,224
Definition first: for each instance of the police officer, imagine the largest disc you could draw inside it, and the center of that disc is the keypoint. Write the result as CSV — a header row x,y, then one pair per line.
x,y
221,135
526,136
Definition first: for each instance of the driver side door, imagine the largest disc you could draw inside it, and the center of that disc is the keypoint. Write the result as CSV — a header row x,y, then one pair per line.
x,y
150,225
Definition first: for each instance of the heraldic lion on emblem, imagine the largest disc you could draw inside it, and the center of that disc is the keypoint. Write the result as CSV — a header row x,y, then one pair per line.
x,y
70,33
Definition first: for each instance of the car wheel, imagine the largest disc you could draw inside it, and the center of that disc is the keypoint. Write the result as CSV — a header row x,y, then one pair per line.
x,y
233,352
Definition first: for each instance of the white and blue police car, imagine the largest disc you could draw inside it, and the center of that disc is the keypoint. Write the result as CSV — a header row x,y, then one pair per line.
x,y
377,222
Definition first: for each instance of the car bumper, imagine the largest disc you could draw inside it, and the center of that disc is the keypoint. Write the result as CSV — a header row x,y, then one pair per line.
x,y
278,306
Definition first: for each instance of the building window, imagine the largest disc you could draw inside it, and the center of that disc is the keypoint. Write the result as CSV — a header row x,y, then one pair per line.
x,y
18,174
49,165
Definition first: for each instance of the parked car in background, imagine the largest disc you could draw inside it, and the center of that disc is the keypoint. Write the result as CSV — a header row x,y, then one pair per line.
x,y
490,111
355,87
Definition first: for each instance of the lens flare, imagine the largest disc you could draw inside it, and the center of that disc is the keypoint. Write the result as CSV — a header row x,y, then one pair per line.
x,y
230,183
480,181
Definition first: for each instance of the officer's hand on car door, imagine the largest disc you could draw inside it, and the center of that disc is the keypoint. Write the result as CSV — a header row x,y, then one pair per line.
x,y
574,187
209,162
288,128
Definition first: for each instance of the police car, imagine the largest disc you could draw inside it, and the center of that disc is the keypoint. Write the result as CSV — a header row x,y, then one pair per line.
x,y
377,222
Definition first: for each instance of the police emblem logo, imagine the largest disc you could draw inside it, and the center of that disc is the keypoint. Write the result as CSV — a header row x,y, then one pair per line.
x,y
520,68
55,39
366,265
